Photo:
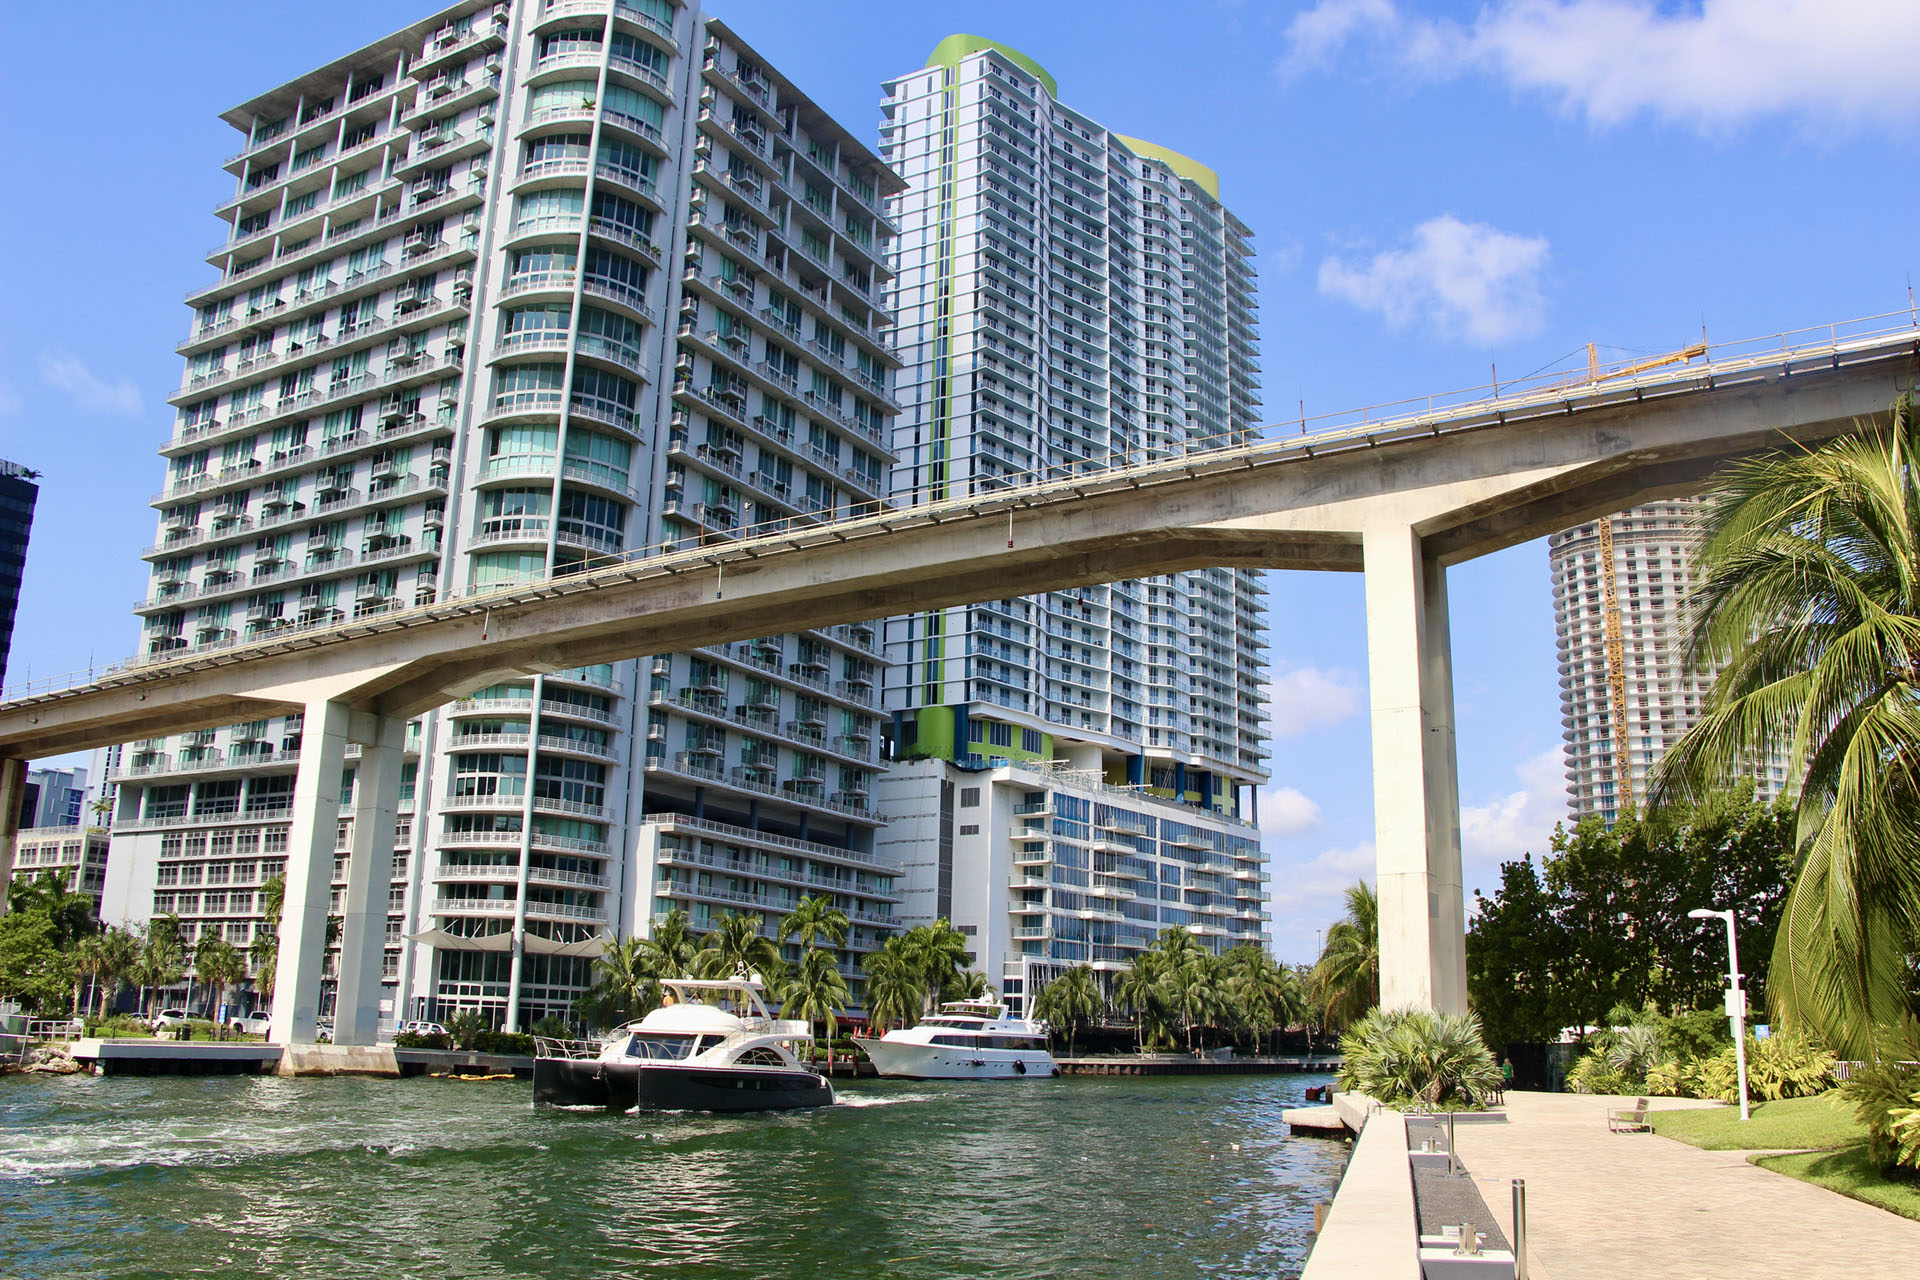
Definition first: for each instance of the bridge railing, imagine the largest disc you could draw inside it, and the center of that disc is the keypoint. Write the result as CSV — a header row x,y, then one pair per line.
x,y
1307,436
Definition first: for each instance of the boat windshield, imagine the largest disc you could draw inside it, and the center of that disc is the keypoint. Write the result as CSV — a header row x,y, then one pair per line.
x,y
668,1045
971,1023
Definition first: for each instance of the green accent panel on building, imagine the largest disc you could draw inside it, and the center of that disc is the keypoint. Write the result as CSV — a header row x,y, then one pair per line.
x,y
935,732
950,51
1186,166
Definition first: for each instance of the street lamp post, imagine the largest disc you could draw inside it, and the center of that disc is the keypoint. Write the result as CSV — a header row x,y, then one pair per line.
x,y
1736,1000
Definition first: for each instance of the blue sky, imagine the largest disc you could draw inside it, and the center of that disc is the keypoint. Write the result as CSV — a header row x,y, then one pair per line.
x,y
1436,189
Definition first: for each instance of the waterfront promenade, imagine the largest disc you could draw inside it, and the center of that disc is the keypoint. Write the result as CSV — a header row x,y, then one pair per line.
x,y
1604,1205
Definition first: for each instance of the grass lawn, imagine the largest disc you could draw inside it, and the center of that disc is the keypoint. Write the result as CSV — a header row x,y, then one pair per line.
x,y
1807,1124
1848,1172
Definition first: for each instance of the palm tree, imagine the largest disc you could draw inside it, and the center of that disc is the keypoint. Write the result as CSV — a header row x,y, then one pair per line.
x,y
116,954
968,985
938,954
1808,601
1069,1000
1266,995
1346,980
894,989
736,945
1198,992
817,992
671,944
70,913
1140,991
162,959
625,985
217,964
815,917
265,957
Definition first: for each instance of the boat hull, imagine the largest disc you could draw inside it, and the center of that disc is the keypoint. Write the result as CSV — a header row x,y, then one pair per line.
x,y
908,1061
623,1086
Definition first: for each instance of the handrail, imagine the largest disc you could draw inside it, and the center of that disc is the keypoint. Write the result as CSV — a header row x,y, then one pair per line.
x,y
1419,417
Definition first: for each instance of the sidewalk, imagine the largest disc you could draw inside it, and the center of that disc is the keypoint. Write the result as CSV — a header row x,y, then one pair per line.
x,y
1604,1205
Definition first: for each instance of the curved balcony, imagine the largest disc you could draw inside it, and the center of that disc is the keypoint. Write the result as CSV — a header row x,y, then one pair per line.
x,y
496,803
547,227
515,531
554,171
628,238
535,284
644,78
525,342
629,299
554,66
634,129
593,541
577,747
631,182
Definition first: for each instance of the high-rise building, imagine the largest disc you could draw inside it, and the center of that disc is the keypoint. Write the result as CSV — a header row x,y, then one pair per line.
x,y
1068,299
1626,694
521,287
17,495
54,797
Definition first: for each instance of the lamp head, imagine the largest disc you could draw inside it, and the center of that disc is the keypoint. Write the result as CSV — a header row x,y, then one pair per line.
x,y
1701,913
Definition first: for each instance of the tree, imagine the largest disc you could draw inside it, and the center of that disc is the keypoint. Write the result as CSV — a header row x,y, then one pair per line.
x,y
1141,992
815,917
34,969
671,944
817,992
938,954
625,984
1265,994
968,985
217,964
1808,601
71,914
1198,992
895,991
736,946
1603,921
1069,1000
162,960
115,954
1346,979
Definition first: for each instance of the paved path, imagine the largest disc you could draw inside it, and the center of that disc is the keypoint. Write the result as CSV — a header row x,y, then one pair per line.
x,y
1603,1205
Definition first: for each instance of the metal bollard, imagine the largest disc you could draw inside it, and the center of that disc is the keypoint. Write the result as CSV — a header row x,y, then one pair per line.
x,y
1519,1229
1453,1163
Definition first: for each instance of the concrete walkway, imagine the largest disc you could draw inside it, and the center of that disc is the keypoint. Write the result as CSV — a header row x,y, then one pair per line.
x,y
1604,1205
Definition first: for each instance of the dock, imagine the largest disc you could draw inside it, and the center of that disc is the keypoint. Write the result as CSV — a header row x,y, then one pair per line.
x,y
248,1058
1186,1064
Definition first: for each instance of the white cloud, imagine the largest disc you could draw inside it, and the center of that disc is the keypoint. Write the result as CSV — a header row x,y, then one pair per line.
x,y
1521,821
1711,65
1302,699
1458,279
1287,811
89,391
1310,894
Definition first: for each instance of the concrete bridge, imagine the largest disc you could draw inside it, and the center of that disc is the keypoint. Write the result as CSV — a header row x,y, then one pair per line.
x,y
1399,499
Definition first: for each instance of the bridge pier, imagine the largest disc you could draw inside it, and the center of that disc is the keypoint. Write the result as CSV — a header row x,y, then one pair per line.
x,y
1416,786
13,788
329,725
363,936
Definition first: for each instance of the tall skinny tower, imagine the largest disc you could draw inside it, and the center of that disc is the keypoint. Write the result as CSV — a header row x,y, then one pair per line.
x,y
1068,300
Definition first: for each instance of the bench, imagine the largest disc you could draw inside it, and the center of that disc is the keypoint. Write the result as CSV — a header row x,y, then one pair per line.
x,y
1631,1121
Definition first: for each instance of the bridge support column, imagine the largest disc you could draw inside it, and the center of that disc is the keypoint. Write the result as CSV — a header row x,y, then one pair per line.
x,y
309,874
13,789
363,926
1416,789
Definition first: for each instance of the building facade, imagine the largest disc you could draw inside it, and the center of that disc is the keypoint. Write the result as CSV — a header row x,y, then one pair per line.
x,y
1625,692
1068,299
18,492
516,289
55,798
76,856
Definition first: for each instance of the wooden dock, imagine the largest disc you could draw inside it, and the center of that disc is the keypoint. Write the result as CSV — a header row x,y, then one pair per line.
x,y
1186,1064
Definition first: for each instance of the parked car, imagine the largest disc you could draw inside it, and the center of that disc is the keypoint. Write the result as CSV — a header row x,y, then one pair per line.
x,y
422,1029
168,1019
255,1023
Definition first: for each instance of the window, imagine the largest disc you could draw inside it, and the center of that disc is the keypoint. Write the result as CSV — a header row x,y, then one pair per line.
x,y
969,797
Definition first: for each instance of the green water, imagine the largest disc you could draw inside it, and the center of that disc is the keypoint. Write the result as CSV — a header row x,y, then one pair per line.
x,y
1158,1177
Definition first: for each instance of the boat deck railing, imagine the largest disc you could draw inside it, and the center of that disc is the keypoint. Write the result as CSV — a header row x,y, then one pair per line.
x,y
549,1047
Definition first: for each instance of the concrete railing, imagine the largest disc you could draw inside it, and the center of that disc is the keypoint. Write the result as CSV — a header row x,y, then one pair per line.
x,y
1372,1231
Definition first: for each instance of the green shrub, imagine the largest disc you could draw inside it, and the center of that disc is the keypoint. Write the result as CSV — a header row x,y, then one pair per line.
x,y
505,1042
1410,1055
553,1027
1700,1033
1885,1095
1635,1051
1596,1074
1788,1065
419,1040
118,1024
466,1027
1667,1080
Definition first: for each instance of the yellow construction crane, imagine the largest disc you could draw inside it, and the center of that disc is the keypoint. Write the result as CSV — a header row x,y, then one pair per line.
x,y
1616,651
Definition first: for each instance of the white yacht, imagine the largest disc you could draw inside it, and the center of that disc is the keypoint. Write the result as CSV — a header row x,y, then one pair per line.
x,y
710,1046
966,1040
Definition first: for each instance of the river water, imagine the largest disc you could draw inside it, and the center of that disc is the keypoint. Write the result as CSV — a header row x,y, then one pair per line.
x,y
1162,1177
